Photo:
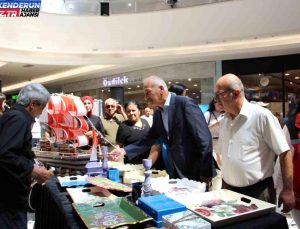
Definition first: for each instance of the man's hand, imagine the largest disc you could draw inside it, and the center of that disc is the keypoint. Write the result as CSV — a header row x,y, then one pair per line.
x,y
41,174
117,154
121,111
286,198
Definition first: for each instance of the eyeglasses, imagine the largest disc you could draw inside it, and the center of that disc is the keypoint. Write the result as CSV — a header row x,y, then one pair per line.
x,y
221,94
110,106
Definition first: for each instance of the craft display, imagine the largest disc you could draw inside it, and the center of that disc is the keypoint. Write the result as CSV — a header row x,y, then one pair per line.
x,y
93,167
159,205
133,176
223,207
64,117
108,184
184,191
110,214
90,195
104,150
68,181
124,168
147,163
185,220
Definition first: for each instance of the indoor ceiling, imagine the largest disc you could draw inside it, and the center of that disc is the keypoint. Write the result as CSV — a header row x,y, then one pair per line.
x,y
58,49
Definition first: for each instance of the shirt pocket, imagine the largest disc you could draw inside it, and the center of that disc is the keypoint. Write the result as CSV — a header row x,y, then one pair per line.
x,y
247,152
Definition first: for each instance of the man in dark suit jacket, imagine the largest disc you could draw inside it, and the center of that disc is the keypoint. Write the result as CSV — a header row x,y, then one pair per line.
x,y
181,125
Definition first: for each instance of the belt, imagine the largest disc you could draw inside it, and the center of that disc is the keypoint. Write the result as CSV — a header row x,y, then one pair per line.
x,y
257,185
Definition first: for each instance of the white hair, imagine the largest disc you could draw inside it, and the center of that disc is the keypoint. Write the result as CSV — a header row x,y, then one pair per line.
x,y
110,100
157,81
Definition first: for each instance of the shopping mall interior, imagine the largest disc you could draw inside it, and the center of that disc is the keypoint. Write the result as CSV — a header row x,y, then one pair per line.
x,y
72,47
106,48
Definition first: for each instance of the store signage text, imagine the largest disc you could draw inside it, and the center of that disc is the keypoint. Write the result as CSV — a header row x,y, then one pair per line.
x,y
120,80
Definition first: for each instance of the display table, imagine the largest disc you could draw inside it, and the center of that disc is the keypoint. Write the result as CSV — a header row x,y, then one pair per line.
x,y
54,210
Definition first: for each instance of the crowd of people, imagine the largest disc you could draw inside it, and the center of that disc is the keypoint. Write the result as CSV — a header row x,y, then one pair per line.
x,y
235,140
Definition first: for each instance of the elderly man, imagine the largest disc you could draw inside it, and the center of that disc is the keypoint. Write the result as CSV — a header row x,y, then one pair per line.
x,y
148,116
17,165
250,138
113,116
181,125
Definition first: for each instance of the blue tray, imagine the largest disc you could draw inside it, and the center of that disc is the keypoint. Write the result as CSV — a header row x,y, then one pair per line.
x,y
159,205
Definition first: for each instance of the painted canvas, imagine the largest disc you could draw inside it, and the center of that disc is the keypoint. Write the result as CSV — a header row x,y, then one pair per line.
x,y
108,184
224,207
181,190
111,214
89,195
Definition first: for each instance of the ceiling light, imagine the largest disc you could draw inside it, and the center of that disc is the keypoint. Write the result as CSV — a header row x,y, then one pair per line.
x,y
129,88
287,74
189,79
291,82
195,85
76,72
177,82
297,77
169,82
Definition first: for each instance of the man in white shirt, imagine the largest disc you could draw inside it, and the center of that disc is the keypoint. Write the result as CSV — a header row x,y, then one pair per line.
x,y
250,137
148,116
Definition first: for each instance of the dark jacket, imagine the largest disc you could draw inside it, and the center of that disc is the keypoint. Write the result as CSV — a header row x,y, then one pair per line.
x,y
189,141
16,158
96,122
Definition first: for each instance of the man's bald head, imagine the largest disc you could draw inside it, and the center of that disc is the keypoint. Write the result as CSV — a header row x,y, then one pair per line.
x,y
230,81
229,91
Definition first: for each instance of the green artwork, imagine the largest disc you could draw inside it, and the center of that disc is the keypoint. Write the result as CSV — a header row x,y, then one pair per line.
x,y
108,184
110,213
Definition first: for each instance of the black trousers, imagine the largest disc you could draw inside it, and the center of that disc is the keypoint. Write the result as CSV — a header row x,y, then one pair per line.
x,y
13,219
262,190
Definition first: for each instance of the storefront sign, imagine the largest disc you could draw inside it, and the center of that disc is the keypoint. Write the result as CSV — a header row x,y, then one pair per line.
x,y
116,81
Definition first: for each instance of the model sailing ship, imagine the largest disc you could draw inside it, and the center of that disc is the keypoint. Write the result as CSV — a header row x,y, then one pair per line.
x,y
66,125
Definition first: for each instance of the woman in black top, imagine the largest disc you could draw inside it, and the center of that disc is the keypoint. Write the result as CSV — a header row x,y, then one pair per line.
x,y
92,120
132,130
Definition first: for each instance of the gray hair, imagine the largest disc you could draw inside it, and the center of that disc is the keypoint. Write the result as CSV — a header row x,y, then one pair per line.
x,y
157,81
110,100
236,84
33,92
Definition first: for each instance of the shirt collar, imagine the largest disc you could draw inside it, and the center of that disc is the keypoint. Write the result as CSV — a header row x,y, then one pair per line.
x,y
245,110
168,100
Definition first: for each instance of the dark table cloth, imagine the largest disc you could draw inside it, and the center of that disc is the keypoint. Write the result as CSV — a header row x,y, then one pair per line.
x,y
54,210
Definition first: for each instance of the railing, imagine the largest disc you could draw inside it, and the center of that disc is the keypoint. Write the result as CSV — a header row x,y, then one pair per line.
x,y
96,7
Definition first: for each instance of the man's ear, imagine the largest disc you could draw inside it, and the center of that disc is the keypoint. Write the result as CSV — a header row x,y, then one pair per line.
x,y
235,93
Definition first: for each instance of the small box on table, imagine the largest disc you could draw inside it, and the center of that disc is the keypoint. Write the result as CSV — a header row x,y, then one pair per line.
x,y
185,219
159,205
